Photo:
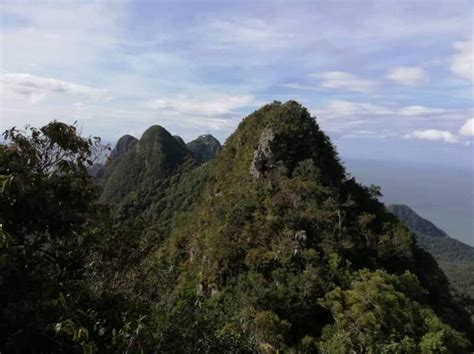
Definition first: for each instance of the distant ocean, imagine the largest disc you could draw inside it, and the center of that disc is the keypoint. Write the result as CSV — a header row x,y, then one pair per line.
x,y
443,195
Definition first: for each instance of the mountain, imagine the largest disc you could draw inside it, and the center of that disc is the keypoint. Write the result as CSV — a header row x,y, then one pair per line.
x,y
263,244
124,145
205,147
102,171
143,164
271,247
281,251
146,161
455,258
415,222
153,180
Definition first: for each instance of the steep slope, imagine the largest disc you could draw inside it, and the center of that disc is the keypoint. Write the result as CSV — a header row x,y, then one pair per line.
x,y
415,222
205,147
180,140
124,145
283,252
455,258
101,171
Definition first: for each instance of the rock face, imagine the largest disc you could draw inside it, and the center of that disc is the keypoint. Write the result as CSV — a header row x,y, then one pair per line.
x,y
205,147
301,237
300,241
102,171
124,145
263,155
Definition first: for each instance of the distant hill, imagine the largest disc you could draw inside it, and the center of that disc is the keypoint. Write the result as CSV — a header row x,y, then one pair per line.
x,y
415,222
454,257
205,148
157,176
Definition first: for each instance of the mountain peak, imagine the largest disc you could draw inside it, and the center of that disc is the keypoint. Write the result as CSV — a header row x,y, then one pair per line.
x,y
156,155
280,138
205,147
123,145
155,134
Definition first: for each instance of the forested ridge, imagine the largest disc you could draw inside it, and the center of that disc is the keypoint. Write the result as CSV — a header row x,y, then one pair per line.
x,y
266,245
455,258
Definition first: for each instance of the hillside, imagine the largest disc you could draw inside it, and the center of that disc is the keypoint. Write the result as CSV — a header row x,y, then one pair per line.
x,y
269,247
455,258
280,243
415,222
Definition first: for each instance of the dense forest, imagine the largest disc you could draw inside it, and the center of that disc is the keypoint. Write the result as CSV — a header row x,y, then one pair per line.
x,y
263,245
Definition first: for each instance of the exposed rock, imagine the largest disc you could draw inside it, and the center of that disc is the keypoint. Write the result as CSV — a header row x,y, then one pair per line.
x,y
200,290
124,145
214,292
263,157
300,240
102,171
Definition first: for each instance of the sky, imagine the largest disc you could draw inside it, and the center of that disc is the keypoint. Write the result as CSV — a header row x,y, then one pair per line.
x,y
385,79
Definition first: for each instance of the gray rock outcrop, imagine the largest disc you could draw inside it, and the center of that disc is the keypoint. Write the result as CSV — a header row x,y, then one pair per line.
x,y
263,156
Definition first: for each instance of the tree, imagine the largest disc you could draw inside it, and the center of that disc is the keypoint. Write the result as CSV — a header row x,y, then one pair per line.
x,y
49,220
379,314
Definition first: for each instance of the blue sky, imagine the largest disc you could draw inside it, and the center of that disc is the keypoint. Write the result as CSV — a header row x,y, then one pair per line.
x,y
386,79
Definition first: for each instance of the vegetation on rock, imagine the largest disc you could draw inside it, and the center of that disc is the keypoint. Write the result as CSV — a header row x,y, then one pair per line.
x,y
271,247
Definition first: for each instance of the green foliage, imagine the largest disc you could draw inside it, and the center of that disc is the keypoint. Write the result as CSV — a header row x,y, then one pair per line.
x,y
152,159
51,226
238,245
207,258
379,313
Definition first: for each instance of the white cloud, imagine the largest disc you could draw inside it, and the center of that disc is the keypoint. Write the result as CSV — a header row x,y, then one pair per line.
x,y
342,108
433,135
419,111
462,61
407,75
218,105
297,86
36,88
344,81
468,128
57,35
253,32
